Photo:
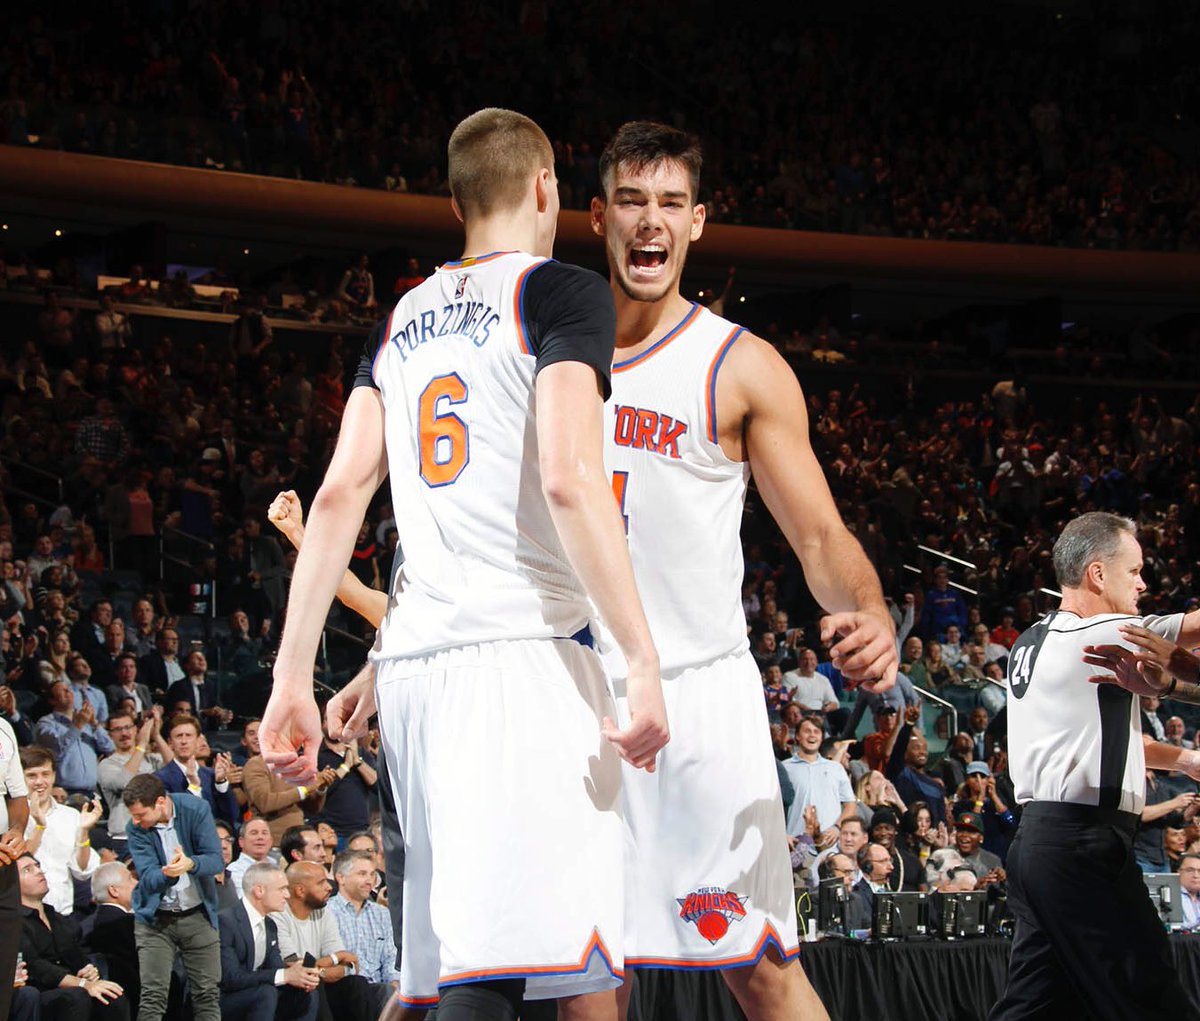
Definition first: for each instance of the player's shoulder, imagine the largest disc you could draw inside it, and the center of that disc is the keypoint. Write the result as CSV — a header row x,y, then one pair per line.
x,y
553,291
745,348
550,276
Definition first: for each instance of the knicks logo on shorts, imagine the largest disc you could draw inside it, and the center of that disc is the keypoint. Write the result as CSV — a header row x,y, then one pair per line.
x,y
711,909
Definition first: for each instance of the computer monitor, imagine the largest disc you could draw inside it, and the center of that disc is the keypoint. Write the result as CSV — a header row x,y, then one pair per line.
x,y
831,906
1166,896
900,915
963,914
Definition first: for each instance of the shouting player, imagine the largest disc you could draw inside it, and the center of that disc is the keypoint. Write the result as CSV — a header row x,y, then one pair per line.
x,y
698,404
483,400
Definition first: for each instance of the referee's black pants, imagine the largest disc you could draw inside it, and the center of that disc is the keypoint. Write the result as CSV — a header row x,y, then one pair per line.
x,y
1087,935
10,932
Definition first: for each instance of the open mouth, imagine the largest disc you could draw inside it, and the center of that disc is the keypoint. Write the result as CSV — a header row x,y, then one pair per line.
x,y
648,258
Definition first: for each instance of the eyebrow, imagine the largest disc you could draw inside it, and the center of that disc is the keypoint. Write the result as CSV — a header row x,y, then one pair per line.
x,y
627,191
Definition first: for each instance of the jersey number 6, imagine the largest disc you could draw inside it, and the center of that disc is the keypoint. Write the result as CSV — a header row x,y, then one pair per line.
x,y
445,438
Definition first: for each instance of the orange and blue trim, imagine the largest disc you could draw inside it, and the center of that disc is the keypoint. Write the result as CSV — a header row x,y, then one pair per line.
x,y
769,938
419,1002
710,387
594,946
474,260
518,303
384,341
673,334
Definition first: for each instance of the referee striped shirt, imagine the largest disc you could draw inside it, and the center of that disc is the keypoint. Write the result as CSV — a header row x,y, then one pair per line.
x,y
1070,740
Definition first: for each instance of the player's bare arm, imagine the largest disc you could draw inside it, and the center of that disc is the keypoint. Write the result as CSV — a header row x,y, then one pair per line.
x,y
762,418
1155,666
570,426
286,514
1171,758
290,734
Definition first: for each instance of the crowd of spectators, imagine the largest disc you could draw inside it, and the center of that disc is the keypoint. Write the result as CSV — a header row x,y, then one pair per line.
x,y
1012,123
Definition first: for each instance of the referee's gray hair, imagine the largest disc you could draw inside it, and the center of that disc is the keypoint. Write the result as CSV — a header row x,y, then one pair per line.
x,y
259,873
1090,537
109,874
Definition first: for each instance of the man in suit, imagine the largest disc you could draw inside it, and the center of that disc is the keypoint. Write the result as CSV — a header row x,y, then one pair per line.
x,y
175,850
127,685
186,775
876,866
255,984
112,929
161,668
104,658
200,691
87,636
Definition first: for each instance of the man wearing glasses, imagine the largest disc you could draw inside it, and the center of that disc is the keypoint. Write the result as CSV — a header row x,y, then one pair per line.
x,y
140,749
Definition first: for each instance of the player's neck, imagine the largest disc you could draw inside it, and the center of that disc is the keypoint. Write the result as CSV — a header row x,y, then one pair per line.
x,y
643,322
500,233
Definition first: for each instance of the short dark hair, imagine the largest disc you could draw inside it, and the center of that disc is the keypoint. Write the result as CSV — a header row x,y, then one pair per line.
x,y
641,144
293,840
253,719
144,789
33,756
360,834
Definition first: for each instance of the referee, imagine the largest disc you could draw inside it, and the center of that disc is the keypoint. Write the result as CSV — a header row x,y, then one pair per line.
x,y
1086,931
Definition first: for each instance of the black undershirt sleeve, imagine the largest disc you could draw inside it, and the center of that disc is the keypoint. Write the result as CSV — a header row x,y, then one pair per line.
x,y
375,340
569,317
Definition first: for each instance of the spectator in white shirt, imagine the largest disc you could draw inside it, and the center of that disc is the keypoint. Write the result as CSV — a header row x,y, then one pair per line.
x,y
813,692
59,836
255,843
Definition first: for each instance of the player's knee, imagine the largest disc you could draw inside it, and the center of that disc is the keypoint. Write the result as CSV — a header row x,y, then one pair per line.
x,y
498,1000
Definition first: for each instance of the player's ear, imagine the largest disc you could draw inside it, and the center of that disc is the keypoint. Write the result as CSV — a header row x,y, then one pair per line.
x,y
598,207
699,215
457,212
542,186
1095,573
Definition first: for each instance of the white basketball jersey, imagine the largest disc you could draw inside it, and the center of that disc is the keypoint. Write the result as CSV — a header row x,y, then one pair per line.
x,y
483,560
1070,740
681,497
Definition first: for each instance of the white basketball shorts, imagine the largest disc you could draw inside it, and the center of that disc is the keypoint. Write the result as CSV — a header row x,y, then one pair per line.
x,y
708,874
509,800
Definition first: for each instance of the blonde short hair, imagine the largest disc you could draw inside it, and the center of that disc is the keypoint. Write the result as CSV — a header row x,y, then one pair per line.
x,y
492,154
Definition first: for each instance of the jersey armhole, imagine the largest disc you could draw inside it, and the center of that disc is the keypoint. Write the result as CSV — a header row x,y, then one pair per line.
x,y
710,386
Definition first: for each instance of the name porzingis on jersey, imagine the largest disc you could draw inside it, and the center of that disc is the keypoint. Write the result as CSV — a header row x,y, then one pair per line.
x,y
711,909
471,319
643,429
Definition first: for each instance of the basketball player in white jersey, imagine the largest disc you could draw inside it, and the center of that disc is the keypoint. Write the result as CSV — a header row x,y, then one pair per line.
x,y
483,403
698,404
1087,939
